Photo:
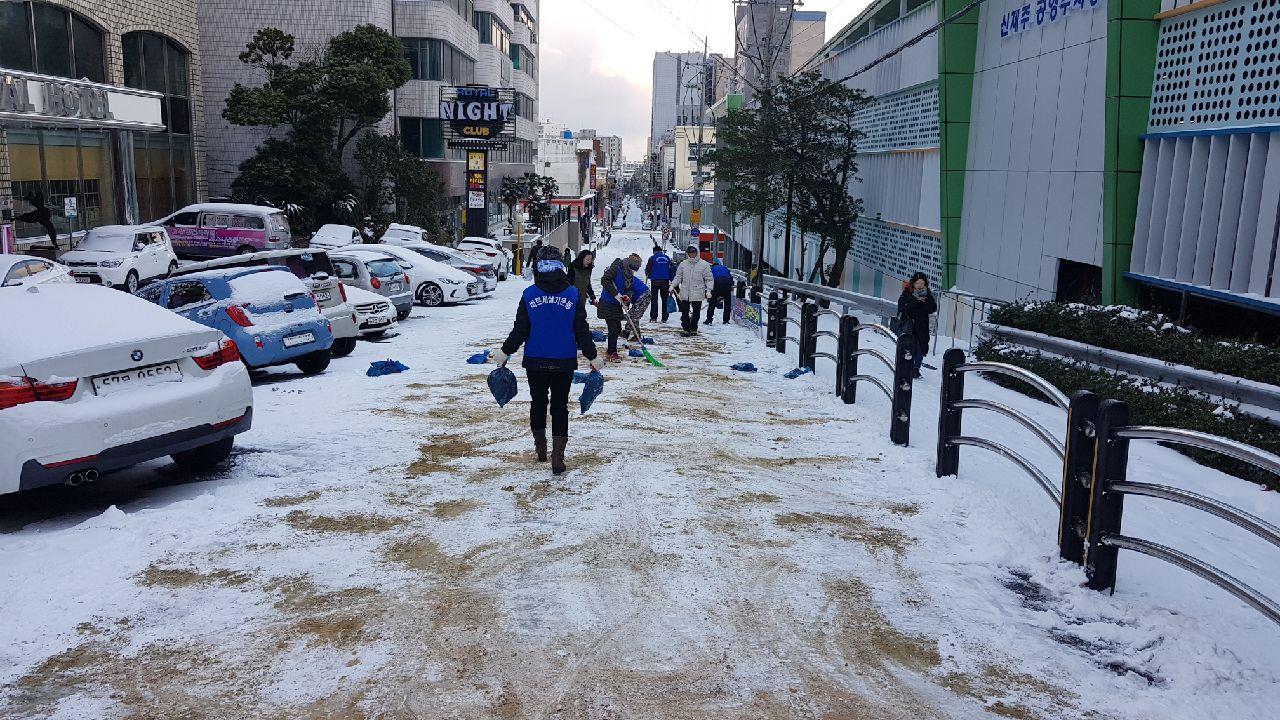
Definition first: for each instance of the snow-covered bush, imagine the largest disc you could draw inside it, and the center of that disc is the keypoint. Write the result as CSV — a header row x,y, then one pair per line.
x,y
1141,332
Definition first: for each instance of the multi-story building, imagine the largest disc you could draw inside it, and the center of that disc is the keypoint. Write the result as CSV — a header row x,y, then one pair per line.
x,y
99,113
447,42
692,144
684,86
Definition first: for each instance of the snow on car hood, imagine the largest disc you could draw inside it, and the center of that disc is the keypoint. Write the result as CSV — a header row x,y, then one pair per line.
x,y
46,321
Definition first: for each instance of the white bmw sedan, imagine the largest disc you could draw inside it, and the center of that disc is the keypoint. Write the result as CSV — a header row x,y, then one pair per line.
x,y
93,380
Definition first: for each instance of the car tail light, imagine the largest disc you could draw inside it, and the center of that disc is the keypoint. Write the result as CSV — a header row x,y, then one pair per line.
x,y
375,282
406,279
227,352
23,390
476,270
342,290
239,316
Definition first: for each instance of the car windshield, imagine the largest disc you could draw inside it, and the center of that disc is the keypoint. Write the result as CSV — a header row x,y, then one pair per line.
x,y
383,268
307,264
107,242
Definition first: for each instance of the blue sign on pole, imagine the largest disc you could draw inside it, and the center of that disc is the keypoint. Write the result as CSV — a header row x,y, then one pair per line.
x,y
693,231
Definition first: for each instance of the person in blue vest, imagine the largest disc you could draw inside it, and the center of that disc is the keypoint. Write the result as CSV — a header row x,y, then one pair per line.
x,y
658,270
721,291
551,323
615,289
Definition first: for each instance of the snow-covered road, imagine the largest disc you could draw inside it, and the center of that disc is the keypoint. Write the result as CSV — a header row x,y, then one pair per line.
x,y
724,546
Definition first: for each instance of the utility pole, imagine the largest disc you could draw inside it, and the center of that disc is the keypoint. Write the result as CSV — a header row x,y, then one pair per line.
x,y
702,123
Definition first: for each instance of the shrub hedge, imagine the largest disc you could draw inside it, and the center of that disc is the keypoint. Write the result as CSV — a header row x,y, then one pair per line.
x,y
1149,404
1143,333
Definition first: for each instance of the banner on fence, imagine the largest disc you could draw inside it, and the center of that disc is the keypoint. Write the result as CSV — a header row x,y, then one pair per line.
x,y
748,314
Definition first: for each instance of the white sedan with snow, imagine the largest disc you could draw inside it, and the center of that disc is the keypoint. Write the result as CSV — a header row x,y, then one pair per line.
x,y
17,270
93,380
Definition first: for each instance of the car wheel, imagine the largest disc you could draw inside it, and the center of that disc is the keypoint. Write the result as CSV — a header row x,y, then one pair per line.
x,y
131,281
342,347
205,456
314,363
246,249
430,294
402,314
173,268
502,277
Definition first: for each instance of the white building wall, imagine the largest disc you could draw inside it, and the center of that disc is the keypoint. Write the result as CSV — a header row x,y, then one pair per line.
x,y
1033,183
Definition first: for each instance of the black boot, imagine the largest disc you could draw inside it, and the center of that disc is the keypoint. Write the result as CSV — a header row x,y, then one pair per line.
x,y
540,445
557,454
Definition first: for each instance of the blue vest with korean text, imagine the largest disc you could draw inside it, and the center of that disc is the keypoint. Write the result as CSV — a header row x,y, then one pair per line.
x,y
551,323
661,268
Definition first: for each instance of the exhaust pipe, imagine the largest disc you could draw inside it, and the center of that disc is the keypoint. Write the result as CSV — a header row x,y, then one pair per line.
x,y
74,479
91,475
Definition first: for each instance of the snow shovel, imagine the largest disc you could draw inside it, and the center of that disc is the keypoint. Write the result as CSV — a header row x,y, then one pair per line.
x,y
626,311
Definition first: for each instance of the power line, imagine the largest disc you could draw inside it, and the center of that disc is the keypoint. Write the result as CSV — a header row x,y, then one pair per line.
x,y
610,20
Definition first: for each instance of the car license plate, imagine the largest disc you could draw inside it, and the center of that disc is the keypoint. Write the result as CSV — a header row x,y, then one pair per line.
x,y
323,296
137,377
395,286
82,278
299,339
377,321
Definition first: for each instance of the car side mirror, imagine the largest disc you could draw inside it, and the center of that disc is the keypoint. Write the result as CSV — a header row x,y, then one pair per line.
x,y
139,246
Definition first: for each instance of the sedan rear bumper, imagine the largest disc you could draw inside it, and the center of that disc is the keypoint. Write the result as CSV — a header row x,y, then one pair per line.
x,y
35,475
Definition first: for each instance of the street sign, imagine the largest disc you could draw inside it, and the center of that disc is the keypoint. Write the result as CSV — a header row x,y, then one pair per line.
x,y
694,231
69,207
695,216
479,117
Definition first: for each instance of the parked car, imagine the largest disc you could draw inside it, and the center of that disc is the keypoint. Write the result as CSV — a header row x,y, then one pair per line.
x,y
489,248
433,282
123,256
216,229
313,268
267,312
483,270
376,272
93,380
376,313
398,234
18,270
335,236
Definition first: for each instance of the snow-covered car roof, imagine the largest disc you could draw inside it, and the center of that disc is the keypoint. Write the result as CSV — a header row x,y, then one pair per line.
x,y
8,260
241,208
335,230
408,228
43,321
264,288
124,229
231,273
418,261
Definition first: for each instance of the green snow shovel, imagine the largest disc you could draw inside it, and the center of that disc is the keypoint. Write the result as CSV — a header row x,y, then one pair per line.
x,y
626,311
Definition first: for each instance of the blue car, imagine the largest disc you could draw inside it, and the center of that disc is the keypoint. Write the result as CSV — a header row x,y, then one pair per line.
x,y
267,312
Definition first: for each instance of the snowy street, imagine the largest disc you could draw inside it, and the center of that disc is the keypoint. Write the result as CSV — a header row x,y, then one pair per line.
x,y
724,545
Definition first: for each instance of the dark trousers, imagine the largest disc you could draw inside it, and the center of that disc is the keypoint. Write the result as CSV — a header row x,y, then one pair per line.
x,y
720,294
555,384
659,291
615,329
689,312
921,347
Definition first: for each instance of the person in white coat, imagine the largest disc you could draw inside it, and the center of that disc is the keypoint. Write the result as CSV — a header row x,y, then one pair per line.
x,y
692,284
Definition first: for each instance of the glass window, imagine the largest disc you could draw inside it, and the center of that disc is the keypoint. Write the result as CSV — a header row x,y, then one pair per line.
x,y
53,41
163,160
345,269
423,137
186,293
15,37
151,293
186,219
90,62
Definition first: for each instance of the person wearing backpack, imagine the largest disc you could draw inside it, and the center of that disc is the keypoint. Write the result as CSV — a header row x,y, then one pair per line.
x,y
915,305
721,291
551,324
658,270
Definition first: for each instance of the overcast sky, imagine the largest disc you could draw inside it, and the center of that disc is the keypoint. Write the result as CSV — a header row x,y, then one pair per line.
x,y
597,55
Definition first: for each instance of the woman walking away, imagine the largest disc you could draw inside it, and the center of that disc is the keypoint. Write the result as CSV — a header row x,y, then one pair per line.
x,y
551,322
580,275
615,289
915,306
691,286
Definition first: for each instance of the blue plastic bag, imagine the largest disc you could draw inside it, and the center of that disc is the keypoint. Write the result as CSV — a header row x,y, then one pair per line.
x,y
672,307
479,358
598,336
647,341
793,374
502,383
743,367
591,390
579,377
378,368
632,352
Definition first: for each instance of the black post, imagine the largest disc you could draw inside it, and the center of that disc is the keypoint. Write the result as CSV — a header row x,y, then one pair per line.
x,y
1110,465
780,338
903,370
949,417
1077,474
808,341
740,289
848,365
771,325
754,294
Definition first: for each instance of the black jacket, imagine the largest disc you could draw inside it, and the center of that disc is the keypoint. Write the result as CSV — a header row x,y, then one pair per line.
x,y
917,311
552,283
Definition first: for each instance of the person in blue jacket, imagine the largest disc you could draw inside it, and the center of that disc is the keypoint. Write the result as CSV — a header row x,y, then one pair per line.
x,y
658,270
551,323
721,291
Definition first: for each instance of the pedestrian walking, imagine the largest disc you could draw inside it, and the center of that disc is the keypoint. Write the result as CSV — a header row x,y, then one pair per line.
x,y
551,324
580,274
721,291
692,285
915,305
568,256
615,289
658,270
